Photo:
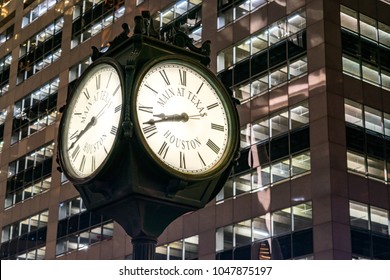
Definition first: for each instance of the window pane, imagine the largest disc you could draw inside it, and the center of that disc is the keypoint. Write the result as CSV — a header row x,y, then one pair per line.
x,y
356,162
278,77
224,238
176,250
373,119
259,41
387,124
245,136
353,112
280,170
298,68
242,92
279,124
348,18
296,21
302,214
379,220
375,167
191,247
299,115
243,233
243,184
261,227
281,221
260,85
358,215
370,73
225,59
242,51
260,130
300,163
384,34
368,27
351,66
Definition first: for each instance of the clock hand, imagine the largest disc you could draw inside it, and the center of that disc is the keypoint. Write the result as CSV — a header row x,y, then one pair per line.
x,y
168,118
91,123
195,117
101,111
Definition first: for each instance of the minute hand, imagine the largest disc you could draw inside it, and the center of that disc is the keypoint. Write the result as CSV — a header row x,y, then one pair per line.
x,y
168,118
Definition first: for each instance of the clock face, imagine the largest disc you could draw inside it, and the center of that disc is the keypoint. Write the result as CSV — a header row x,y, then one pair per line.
x,y
92,120
182,118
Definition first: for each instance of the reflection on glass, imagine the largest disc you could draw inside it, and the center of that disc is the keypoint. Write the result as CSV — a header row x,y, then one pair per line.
x,y
358,215
281,221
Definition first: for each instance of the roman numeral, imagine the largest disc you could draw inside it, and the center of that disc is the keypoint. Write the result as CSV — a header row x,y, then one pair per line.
x,y
146,109
114,130
199,88
154,91
183,77
74,135
182,160
213,146
163,150
86,93
150,130
212,106
201,160
98,81
116,90
76,152
217,127
118,108
82,164
109,79
93,164
165,77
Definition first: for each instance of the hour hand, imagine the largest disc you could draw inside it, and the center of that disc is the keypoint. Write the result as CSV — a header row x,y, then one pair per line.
x,y
168,118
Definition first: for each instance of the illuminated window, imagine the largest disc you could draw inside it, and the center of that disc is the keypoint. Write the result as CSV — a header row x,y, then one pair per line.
x,y
185,249
38,11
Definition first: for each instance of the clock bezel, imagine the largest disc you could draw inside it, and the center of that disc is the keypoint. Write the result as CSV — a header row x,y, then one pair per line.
x,y
110,157
226,100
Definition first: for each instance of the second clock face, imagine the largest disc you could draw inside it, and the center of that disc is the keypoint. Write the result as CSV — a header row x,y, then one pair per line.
x,y
92,121
182,118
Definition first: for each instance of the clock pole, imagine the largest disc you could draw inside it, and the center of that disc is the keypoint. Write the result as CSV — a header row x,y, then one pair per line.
x,y
130,186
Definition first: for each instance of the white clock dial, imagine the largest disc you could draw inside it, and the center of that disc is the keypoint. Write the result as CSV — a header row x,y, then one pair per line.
x,y
92,121
182,118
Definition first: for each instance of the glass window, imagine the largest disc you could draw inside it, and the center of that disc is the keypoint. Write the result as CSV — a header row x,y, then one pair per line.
x,y
353,112
277,31
242,92
262,177
224,238
296,21
176,250
260,130
356,162
385,79
278,77
373,119
358,215
243,233
191,245
370,73
384,34
225,59
280,170
259,41
242,51
279,124
246,136
281,221
379,220
298,67
349,18
351,66
261,227
260,85
376,167
299,115
243,9
243,184
303,215
368,27
300,163
387,124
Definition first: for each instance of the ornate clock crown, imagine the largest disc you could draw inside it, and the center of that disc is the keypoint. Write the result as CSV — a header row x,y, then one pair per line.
x,y
144,26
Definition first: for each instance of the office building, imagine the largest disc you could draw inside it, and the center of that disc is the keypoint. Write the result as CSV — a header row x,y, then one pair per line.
x,y
313,80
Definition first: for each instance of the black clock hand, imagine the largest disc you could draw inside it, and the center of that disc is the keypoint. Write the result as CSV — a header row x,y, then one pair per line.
x,y
91,123
183,117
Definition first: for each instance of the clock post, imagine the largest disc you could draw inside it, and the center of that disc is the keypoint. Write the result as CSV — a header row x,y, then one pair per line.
x,y
172,136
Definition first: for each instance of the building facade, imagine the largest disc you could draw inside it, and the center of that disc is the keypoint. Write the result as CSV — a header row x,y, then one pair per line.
x,y
313,80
